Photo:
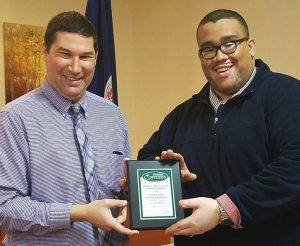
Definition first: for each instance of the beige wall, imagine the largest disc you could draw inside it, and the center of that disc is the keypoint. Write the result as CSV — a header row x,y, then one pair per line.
x,y
156,51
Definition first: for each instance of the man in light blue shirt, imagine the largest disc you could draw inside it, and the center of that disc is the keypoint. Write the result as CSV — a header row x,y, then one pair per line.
x,y
44,198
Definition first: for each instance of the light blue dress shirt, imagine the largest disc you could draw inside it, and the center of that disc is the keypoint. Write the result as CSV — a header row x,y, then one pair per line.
x,y
41,173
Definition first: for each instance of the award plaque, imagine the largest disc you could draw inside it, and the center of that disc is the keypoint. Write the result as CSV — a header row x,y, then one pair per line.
x,y
154,189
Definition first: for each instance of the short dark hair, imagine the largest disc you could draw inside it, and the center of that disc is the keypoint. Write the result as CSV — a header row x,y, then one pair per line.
x,y
72,22
224,14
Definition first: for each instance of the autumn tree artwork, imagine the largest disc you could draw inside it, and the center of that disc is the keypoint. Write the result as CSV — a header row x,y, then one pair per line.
x,y
24,65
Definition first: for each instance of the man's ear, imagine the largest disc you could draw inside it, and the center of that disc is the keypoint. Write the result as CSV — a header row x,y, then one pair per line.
x,y
44,51
199,55
96,56
251,46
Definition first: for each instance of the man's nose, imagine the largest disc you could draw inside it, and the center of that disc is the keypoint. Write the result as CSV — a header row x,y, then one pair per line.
x,y
75,65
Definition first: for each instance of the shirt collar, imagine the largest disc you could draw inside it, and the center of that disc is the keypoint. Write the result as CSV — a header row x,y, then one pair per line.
x,y
59,102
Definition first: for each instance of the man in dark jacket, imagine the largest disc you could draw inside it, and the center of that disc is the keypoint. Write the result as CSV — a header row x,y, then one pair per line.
x,y
240,135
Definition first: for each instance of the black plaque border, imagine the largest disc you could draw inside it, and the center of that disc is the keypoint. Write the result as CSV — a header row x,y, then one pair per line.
x,y
134,204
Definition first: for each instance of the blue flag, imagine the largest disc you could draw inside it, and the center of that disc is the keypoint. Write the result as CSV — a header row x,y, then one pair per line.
x,y
104,82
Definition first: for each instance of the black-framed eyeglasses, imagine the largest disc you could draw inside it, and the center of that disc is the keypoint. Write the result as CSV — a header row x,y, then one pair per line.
x,y
226,48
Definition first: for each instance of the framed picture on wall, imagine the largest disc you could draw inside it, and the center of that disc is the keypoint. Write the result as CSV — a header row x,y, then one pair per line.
x,y
24,65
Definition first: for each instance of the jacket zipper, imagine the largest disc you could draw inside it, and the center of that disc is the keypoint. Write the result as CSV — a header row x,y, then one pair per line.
x,y
217,116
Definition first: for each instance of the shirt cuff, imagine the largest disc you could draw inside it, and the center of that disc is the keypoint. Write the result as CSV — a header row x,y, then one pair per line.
x,y
231,210
60,216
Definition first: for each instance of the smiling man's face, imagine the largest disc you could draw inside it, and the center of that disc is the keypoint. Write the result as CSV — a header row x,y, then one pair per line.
x,y
70,64
226,73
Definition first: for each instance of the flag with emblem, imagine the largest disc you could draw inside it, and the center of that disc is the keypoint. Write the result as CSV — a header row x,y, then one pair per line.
x,y
104,82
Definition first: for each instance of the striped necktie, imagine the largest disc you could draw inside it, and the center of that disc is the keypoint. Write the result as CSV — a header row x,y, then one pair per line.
x,y
88,165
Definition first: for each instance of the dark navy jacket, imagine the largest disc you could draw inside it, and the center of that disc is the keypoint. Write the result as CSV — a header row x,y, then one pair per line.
x,y
252,154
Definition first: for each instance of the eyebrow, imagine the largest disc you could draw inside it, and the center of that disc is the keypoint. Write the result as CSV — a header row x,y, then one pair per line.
x,y
89,53
223,40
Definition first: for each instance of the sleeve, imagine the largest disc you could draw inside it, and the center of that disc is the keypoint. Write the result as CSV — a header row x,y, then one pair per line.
x,y
151,149
276,189
126,139
123,195
162,139
17,211
231,210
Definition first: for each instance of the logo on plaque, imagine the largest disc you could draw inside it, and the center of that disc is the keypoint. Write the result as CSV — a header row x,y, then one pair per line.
x,y
155,176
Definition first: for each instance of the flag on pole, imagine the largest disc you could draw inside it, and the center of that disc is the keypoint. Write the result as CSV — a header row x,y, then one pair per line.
x,y
104,82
